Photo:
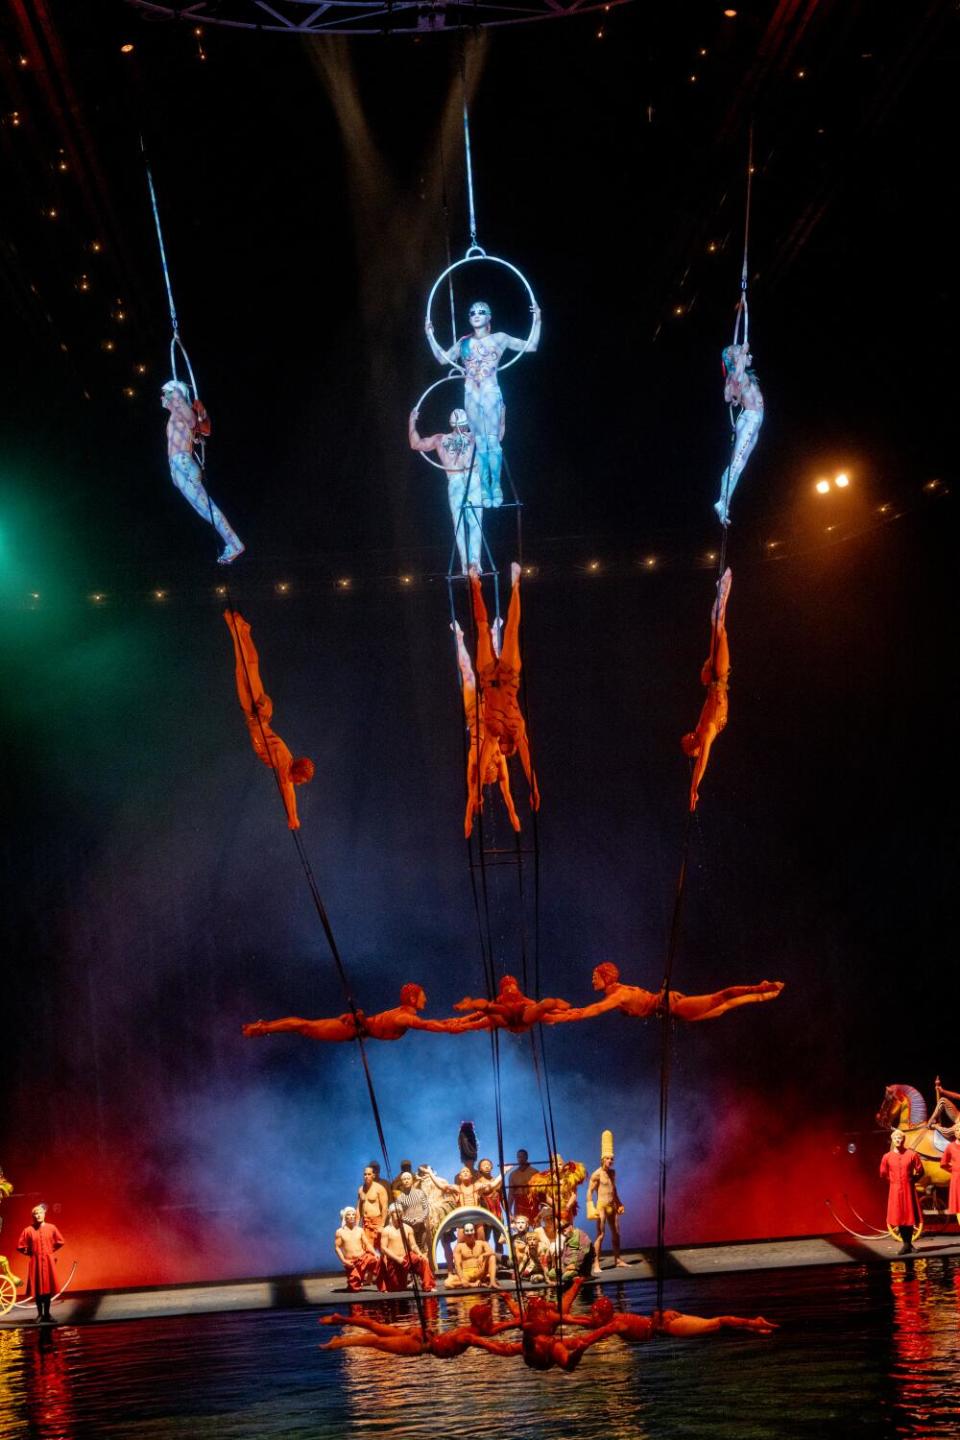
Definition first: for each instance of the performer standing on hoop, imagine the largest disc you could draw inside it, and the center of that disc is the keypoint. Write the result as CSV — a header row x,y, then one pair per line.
x,y
478,356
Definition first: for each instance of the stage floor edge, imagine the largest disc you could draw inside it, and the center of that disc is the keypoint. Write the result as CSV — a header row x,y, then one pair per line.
x,y
282,1292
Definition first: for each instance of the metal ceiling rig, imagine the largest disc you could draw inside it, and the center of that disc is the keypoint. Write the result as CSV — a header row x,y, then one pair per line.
x,y
367,17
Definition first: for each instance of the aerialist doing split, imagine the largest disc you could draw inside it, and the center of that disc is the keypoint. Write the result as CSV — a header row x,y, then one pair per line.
x,y
716,676
635,1001
503,726
387,1025
740,388
185,470
258,711
457,454
478,356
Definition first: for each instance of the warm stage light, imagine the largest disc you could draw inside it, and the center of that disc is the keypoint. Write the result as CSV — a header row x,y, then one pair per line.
x,y
730,14
128,392
650,561
841,481
772,544
594,565
932,485
97,596
406,579
529,570
126,49
822,487
107,345
159,594
711,555
96,246
282,587
220,590
343,584
140,369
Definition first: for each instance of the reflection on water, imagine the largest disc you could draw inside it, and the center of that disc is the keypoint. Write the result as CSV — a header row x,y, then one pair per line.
x,y
860,1351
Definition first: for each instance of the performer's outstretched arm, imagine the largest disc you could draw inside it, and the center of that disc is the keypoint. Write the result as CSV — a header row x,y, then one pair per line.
x,y
708,1007
583,1012
510,342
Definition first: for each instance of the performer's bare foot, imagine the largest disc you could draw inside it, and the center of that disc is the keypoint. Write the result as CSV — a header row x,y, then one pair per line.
x,y
256,1027
231,551
621,1264
723,514
515,573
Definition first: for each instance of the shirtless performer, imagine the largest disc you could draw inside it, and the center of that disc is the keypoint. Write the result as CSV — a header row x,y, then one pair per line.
x,y
386,1025
373,1202
257,709
638,1328
715,675
457,456
520,1199
512,1010
503,723
602,1195
483,748
478,356
355,1250
635,1001
740,388
474,1263
410,1340
185,471
399,1257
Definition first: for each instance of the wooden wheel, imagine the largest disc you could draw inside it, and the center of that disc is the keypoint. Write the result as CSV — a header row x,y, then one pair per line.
x,y
8,1294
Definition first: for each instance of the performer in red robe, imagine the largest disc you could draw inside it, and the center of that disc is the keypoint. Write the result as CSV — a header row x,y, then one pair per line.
x,y
950,1160
900,1168
40,1242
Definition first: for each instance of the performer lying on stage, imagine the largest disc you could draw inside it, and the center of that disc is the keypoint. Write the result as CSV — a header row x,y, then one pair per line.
x,y
410,1340
505,729
635,1001
512,1010
185,471
484,749
258,711
386,1025
716,676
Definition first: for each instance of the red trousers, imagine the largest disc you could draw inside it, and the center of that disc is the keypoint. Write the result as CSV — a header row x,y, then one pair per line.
x,y
395,1274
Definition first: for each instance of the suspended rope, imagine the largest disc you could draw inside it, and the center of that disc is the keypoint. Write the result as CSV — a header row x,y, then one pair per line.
x,y
175,341
743,313
471,210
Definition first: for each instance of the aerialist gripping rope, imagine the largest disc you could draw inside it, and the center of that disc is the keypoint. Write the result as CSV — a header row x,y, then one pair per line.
x,y
740,388
387,1025
258,711
457,453
484,749
505,730
478,356
635,1001
716,676
186,471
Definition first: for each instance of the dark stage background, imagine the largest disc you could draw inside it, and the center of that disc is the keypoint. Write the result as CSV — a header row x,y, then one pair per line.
x,y
154,897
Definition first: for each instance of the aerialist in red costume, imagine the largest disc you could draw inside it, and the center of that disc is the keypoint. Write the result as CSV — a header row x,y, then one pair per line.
x,y
258,711
484,749
634,1000
900,1168
716,676
505,730
410,1340
512,1010
40,1243
386,1025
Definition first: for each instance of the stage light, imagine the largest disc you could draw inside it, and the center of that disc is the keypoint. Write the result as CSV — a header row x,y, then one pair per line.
x,y
108,345
529,570
220,590
406,579
830,527
282,587
140,369
129,393
52,213
822,487
801,74
773,544
96,246
98,597
62,165
650,562
711,555
841,481
159,594
593,566
693,79
678,309
712,248
34,594
730,14
23,62
882,509
83,284
126,49
932,485
852,1147
344,583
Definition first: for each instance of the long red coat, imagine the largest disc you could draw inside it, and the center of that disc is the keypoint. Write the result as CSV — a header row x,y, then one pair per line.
x,y
950,1160
900,1168
40,1243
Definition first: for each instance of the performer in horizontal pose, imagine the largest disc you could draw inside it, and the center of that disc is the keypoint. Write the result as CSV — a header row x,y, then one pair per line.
x,y
257,710
410,1340
511,1010
715,675
633,1000
385,1025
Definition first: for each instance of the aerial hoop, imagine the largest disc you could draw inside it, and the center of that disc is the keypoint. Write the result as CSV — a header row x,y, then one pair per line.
x,y
455,374
474,254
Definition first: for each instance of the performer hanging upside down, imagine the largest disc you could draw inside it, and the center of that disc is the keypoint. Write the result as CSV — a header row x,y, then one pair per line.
x,y
258,711
740,388
512,1010
716,676
457,454
386,1025
185,470
483,747
635,1001
478,356
410,1340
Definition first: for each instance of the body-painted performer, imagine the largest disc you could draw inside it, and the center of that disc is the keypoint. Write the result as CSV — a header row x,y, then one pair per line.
x,y
740,388
901,1168
373,1202
483,749
603,1199
715,675
638,1328
385,1025
633,1000
478,356
257,710
511,1010
520,1200
410,1340
503,723
185,469
40,1243
474,1263
355,1250
950,1161
565,1176
399,1257
457,454
6,1188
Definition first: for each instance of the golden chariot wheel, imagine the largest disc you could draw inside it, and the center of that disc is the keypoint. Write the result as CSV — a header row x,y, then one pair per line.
x,y
8,1294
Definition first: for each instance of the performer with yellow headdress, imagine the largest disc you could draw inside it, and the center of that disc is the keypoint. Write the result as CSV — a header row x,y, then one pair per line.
x,y
603,1202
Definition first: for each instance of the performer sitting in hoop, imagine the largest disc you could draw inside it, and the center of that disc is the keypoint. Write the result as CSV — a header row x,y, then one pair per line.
x,y
716,676
478,356
185,470
457,456
741,389
635,1001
